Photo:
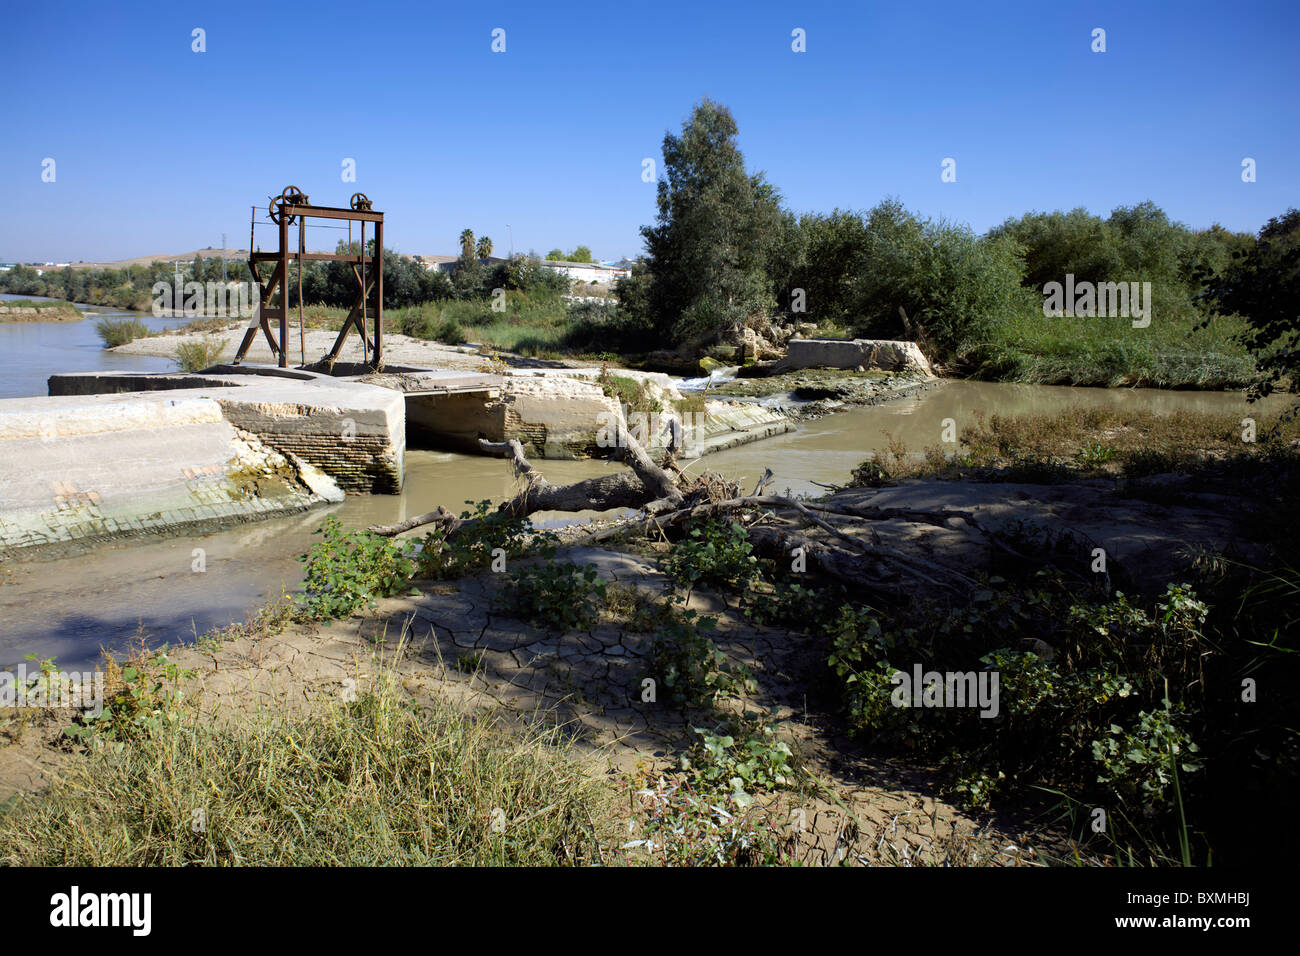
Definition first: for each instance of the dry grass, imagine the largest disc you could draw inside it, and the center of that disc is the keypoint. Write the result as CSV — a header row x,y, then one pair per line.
x,y
377,781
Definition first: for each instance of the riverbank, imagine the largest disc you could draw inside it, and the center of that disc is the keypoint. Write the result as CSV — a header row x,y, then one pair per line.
x,y
768,682
38,311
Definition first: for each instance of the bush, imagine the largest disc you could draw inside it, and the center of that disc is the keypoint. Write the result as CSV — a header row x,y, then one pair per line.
x,y
347,570
558,597
749,760
688,665
444,556
427,322
194,356
713,554
953,285
119,331
1083,688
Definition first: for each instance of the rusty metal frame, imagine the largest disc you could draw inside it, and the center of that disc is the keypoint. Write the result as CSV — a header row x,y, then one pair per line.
x,y
288,211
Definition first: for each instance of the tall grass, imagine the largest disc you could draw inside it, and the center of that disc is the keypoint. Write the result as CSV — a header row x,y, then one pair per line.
x,y
119,331
378,781
1170,353
198,354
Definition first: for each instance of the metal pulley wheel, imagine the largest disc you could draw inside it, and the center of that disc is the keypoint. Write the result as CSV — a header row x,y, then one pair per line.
x,y
360,202
291,196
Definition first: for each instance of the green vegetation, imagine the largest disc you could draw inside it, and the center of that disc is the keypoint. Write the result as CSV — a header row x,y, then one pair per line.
x,y
36,310
347,570
1092,442
1262,283
713,554
197,355
376,781
119,331
634,394
558,597
443,555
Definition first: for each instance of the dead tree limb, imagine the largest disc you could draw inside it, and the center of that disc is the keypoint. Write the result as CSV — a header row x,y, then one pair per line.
x,y
646,486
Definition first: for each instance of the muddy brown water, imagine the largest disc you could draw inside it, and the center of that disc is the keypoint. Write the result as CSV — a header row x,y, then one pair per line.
x,y
71,607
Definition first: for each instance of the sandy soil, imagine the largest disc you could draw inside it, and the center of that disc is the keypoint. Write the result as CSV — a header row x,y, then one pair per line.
x,y
398,349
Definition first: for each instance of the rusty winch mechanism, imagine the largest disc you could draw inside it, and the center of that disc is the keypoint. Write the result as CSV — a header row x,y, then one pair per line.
x,y
293,206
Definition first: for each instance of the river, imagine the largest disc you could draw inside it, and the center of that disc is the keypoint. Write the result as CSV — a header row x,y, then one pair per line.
x,y
31,351
71,607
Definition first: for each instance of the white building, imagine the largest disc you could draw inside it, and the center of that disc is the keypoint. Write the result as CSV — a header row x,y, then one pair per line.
x,y
587,271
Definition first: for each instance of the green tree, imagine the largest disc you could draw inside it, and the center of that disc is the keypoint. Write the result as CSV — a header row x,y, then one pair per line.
x,y
707,249
484,248
1262,284
467,244
952,285
556,255
581,254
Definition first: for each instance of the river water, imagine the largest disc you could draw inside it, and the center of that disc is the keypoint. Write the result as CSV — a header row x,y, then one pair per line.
x,y
31,351
71,607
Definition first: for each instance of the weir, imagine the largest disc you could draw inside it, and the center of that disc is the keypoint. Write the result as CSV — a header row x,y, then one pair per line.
x,y
116,454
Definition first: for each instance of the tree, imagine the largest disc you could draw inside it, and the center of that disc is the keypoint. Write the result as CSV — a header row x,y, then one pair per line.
x,y
467,244
952,285
484,249
707,250
1262,284
581,254
556,254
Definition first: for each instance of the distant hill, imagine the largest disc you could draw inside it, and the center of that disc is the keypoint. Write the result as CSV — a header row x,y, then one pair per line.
x,y
232,255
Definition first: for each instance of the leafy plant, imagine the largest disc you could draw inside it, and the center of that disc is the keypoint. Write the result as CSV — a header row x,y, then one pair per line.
x,y
713,554
145,695
349,569
690,667
756,760
560,597
443,555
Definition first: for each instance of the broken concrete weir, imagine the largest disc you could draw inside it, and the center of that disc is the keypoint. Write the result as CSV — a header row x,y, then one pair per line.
x,y
112,454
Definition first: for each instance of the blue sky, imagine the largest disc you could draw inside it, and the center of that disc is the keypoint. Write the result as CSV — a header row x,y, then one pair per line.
x,y
160,149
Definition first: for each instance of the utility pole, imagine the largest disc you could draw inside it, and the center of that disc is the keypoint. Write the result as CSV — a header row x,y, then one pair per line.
x,y
223,257
512,239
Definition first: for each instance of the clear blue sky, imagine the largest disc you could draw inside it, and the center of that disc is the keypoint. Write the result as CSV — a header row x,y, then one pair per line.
x,y
160,149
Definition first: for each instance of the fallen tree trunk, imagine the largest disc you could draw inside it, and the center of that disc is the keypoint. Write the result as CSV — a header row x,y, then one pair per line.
x,y
645,486
663,503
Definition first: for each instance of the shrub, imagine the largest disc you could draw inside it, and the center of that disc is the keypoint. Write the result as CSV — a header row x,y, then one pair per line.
x,y
119,331
1073,674
689,666
347,570
444,555
750,760
196,355
713,554
558,597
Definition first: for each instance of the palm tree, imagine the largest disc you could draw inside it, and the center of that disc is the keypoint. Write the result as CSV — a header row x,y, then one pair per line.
x,y
467,244
484,247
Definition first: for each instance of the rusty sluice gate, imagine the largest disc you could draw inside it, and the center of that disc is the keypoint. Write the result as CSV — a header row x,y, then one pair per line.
x,y
293,206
